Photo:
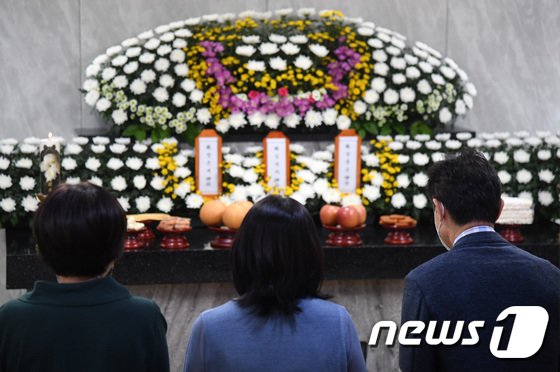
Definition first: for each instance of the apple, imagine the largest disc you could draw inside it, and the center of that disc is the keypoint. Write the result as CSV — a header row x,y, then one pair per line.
x,y
362,212
348,217
328,215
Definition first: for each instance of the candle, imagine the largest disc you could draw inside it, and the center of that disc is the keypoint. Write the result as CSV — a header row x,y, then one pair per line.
x,y
49,163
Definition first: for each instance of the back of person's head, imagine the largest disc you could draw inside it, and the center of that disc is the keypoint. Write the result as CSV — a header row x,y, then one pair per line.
x,y
467,186
79,230
277,258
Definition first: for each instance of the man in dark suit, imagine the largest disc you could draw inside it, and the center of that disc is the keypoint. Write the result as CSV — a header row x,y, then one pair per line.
x,y
481,276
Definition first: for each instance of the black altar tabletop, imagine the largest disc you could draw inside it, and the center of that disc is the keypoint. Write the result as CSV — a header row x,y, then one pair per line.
x,y
199,263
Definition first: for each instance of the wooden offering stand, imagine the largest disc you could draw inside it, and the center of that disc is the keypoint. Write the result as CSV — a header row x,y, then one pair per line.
x,y
512,233
147,235
398,235
174,239
224,239
342,237
133,240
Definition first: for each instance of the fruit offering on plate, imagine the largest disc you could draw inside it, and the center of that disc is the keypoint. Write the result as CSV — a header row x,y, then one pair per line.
x,y
398,221
347,217
212,212
133,225
235,213
174,224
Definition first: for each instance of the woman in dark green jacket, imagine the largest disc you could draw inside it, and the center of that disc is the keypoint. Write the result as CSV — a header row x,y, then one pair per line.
x,y
86,321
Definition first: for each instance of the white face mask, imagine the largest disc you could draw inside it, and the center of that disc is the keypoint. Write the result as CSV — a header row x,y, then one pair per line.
x,y
439,227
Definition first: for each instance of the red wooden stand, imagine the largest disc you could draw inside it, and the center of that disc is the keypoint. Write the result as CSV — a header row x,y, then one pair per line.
x,y
174,239
147,235
341,237
512,233
224,239
133,241
398,235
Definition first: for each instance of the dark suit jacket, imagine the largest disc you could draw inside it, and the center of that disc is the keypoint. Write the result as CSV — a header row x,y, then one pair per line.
x,y
477,279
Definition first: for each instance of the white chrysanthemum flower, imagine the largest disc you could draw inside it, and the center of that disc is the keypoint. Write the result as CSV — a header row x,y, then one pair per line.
x,y
152,163
438,79
319,50
343,122
278,63
118,183
98,149
471,90
371,192
409,58
142,204
4,163
30,203
147,58
158,183
179,99
545,198
365,31
92,97
119,61
375,43
371,96
398,79
196,96
92,164
222,126
125,204
420,179
420,159
182,172
90,84
92,70
188,85
268,48
138,87
103,104
378,84
546,175
379,55
283,12
433,145
320,186
331,196
453,144
250,176
165,205
371,160
299,39
278,39
148,76
403,180
256,118
313,119
420,201
237,120
251,39
390,97
166,81
351,199
303,62
119,117
394,51
514,142
463,136
426,67
131,67
181,70
424,87
398,63
360,107
329,116
292,120
504,177
501,157
272,121
523,176
290,49
412,73
544,154
139,182
108,73
396,145
69,164
245,50
381,69
177,56
445,115
410,144
27,183
139,148
203,116
521,156
407,95
117,148
96,181
134,163
8,205
160,94
194,201
398,200
133,52
164,50
115,164
152,44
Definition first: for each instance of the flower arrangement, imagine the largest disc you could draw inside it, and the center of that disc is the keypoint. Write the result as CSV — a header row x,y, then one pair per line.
x,y
284,70
147,176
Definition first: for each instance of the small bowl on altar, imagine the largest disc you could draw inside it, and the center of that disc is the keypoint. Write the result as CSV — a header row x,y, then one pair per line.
x,y
225,237
174,230
344,237
133,240
399,227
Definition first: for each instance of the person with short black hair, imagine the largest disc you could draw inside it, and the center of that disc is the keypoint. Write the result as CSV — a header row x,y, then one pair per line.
x,y
281,321
480,276
86,321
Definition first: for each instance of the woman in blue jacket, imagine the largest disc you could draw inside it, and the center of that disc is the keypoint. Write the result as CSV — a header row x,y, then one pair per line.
x,y
280,321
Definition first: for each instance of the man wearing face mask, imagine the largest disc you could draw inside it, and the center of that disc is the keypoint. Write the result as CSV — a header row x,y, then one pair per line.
x,y
480,276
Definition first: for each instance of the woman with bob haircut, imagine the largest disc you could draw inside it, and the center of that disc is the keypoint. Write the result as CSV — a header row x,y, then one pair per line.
x,y
85,321
280,321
